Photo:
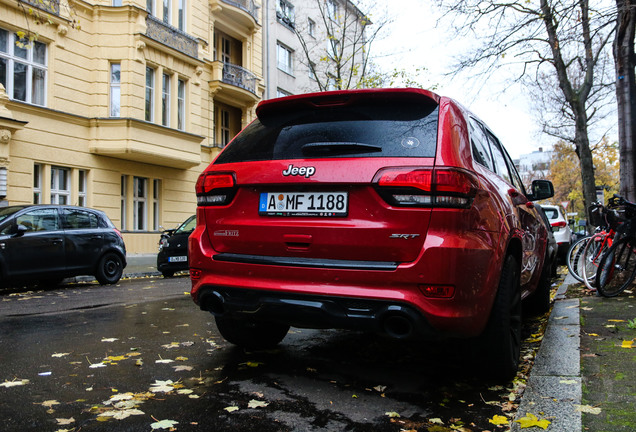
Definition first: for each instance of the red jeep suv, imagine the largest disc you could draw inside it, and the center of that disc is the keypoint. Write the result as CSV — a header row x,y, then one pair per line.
x,y
389,210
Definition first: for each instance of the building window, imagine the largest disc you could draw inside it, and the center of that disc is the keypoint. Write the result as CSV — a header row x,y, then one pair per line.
x,y
181,23
311,26
226,132
150,7
181,104
139,203
332,10
115,89
37,184
117,3
167,6
124,198
150,94
81,188
282,93
285,13
23,69
60,185
156,193
284,57
165,100
226,50
311,69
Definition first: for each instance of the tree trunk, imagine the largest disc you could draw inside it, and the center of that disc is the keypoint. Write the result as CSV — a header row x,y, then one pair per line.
x,y
625,61
585,158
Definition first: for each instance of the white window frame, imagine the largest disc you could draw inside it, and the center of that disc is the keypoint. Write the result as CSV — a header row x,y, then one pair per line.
x,y
140,203
311,27
156,208
60,186
282,93
38,171
225,126
284,58
181,18
149,98
332,10
82,182
285,10
34,58
167,11
181,104
165,99
115,90
124,199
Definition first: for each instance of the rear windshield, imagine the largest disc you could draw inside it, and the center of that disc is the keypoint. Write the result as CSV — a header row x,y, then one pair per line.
x,y
551,213
404,129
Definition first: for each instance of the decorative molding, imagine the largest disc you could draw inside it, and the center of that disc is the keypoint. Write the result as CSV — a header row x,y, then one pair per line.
x,y
171,37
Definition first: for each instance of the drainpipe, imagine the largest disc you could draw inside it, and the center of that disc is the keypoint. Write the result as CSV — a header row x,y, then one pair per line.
x,y
266,50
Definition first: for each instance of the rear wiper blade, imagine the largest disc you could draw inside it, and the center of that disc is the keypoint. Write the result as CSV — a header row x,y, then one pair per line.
x,y
339,147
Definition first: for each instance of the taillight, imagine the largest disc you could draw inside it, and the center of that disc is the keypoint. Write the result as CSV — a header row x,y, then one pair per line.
x,y
427,187
559,224
215,189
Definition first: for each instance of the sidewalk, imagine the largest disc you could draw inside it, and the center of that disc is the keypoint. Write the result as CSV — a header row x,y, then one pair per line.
x,y
584,376
141,265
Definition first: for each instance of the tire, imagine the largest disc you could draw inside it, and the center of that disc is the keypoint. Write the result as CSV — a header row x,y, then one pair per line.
x,y
109,269
574,258
592,254
167,274
617,268
539,302
501,340
251,334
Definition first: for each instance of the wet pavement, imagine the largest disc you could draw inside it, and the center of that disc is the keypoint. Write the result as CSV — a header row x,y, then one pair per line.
x,y
142,356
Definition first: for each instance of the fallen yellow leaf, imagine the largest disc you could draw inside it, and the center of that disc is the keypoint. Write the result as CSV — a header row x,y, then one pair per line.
x,y
498,420
627,344
530,420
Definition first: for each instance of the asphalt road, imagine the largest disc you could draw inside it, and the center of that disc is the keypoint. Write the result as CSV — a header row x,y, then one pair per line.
x,y
140,356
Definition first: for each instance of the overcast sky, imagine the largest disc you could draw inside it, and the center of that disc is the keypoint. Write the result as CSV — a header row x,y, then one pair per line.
x,y
413,41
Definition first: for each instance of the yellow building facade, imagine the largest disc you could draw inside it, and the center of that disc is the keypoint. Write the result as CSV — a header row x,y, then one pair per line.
x,y
123,113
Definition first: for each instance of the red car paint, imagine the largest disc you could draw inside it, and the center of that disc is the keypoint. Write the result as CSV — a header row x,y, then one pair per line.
x,y
438,262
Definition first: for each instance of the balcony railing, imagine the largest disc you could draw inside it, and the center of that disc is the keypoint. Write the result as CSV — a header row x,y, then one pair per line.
x,y
171,36
248,6
240,77
51,6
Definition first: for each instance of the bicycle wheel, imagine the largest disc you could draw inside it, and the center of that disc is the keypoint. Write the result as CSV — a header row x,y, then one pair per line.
x,y
574,258
617,268
591,258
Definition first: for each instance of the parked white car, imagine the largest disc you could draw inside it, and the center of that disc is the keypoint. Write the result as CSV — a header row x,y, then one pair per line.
x,y
560,227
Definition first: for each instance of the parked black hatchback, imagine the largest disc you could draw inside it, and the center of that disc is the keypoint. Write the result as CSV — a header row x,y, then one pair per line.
x,y
173,248
48,243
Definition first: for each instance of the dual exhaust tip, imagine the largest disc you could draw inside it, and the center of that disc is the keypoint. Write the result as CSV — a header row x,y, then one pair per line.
x,y
396,321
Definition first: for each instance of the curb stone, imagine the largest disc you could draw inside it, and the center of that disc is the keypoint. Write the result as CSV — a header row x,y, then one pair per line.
x,y
554,387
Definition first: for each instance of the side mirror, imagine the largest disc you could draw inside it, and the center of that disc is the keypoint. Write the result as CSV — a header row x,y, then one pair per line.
x,y
541,189
20,230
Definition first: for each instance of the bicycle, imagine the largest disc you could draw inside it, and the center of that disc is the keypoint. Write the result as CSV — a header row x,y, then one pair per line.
x,y
617,266
584,255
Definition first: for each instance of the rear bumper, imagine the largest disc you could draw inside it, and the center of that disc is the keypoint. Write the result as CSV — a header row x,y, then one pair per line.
x,y
397,320
327,295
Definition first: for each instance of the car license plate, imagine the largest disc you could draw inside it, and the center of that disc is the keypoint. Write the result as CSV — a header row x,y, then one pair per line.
x,y
321,204
178,259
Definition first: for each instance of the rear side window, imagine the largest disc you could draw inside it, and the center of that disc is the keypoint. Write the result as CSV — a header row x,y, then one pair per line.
x,y
404,129
479,144
79,219
551,213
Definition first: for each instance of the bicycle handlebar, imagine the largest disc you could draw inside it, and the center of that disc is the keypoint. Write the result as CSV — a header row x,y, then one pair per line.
x,y
618,201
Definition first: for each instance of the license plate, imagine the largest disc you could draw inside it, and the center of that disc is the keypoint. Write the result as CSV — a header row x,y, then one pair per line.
x,y
178,259
321,204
